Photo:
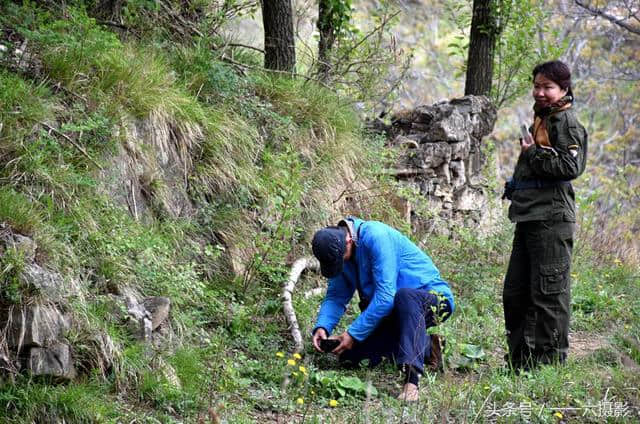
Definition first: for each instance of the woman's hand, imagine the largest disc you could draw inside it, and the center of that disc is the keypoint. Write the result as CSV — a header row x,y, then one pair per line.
x,y
525,143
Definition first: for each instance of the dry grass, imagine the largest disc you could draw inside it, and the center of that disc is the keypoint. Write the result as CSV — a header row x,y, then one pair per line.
x,y
612,237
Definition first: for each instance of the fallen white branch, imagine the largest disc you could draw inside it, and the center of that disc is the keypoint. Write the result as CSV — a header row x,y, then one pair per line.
x,y
287,292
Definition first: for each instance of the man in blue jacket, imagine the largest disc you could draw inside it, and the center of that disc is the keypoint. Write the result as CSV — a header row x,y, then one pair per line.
x,y
401,295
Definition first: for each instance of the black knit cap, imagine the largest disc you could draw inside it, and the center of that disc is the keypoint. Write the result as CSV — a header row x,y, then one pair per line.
x,y
329,245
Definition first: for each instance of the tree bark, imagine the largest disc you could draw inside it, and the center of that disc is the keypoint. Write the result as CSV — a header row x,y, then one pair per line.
x,y
279,44
327,38
481,49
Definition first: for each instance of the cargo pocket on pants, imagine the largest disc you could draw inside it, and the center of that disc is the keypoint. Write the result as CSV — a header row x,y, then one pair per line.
x,y
554,277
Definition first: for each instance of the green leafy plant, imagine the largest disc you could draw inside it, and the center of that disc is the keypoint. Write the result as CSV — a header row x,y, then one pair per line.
x,y
334,385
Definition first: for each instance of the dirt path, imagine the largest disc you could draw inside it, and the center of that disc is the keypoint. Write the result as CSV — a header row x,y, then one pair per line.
x,y
583,344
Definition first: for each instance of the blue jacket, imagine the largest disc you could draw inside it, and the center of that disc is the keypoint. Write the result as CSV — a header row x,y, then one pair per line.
x,y
385,261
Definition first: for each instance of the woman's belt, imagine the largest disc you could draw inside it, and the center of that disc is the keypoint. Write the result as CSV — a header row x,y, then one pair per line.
x,y
512,185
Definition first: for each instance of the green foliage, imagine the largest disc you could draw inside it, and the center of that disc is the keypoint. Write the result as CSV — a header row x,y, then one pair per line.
x,y
284,188
308,104
366,64
22,105
204,75
11,267
123,252
18,212
467,356
272,160
518,46
173,20
333,385
337,16
607,213
85,58
26,401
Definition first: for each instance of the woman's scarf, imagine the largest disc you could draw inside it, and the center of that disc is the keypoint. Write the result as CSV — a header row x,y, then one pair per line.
x,y
541,113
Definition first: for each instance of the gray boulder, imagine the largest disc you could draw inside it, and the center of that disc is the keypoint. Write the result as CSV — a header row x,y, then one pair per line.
x,y
158,307
48,283
146,316
32,325
139,322
53,360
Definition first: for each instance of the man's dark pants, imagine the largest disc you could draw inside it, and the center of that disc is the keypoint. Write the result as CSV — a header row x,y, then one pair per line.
x,y
402,336
537,293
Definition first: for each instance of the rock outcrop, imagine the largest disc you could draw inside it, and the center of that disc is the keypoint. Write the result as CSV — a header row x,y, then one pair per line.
x,y
146,316
442,160
33,333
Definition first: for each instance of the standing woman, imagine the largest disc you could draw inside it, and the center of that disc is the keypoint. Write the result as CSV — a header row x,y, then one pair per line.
x,y
536,292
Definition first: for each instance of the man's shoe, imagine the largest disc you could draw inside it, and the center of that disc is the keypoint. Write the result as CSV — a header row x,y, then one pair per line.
x,y
435,360
409,393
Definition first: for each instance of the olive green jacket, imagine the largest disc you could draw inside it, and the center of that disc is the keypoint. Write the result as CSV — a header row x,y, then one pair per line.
x,y
563,161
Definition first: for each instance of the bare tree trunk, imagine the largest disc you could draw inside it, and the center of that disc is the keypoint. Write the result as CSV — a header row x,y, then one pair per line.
x,y
279,44
481,49
327,38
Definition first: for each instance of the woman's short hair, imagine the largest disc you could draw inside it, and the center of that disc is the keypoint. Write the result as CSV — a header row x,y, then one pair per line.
x,y
558,72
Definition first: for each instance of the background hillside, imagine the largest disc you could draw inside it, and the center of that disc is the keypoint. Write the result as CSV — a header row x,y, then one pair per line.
x,y
147,158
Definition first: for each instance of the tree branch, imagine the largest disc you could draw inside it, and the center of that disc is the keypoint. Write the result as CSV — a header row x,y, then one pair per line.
x,y
244,46
613,19
384,22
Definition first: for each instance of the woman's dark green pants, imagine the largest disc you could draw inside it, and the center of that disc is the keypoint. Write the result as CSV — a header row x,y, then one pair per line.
x,y
537,293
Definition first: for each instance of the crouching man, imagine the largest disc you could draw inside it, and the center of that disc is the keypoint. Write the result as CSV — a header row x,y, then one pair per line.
x,y
401,295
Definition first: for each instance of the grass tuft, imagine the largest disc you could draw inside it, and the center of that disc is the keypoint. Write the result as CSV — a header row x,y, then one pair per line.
x,y
19,212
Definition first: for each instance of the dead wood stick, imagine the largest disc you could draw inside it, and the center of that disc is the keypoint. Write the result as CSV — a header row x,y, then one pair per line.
x,y
287,292
73,143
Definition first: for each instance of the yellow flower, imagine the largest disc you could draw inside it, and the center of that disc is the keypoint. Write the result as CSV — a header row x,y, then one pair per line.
x,y
300,401
558,415
280,354
291,362
333,403
617,261
302,369
297,356
295,374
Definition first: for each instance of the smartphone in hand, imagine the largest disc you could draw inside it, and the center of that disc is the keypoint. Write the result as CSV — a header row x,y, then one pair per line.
x,y
524,132
327,345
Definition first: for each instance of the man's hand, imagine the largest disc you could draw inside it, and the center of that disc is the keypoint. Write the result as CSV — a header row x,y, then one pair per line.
x,y
320,334
346,343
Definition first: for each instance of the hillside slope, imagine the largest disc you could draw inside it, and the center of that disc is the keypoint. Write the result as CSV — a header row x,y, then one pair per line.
x,y
147,174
